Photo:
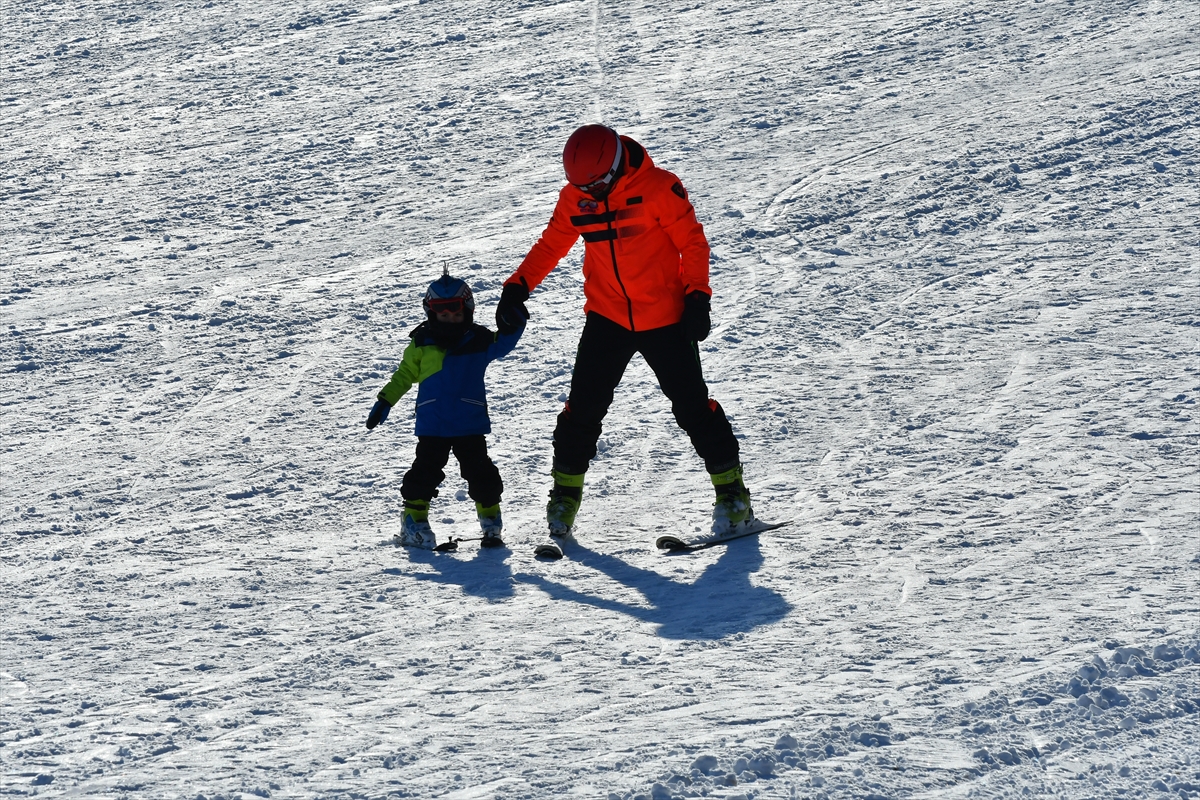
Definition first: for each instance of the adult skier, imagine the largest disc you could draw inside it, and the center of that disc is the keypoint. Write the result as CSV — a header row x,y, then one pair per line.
x,y
646,291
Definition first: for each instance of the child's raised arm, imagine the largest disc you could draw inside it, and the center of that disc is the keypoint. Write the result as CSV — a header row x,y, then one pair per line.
x,y
503,343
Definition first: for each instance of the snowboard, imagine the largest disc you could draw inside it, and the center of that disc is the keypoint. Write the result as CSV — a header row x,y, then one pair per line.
x,y
674,544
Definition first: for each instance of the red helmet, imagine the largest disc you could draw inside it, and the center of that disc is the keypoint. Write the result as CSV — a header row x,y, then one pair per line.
x,y
592,158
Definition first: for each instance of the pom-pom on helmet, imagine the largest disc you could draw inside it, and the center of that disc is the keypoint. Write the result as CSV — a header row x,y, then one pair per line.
x,y
592,158
448,293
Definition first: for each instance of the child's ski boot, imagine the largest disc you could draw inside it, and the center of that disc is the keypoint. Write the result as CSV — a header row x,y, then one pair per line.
x,y
490,523
415,530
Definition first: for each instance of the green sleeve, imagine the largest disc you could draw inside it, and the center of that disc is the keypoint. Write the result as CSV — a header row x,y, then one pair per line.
x,y
404,377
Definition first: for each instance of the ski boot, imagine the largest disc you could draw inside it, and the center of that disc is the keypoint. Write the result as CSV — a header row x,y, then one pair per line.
x,y
491,524
564,503
415,530
732,513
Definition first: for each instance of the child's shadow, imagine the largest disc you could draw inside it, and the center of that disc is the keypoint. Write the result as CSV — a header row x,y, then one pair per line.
x,y
487,575
721,602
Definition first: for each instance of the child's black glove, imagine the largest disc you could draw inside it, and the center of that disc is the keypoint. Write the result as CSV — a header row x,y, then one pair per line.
x,y
379,413
697,323
511,314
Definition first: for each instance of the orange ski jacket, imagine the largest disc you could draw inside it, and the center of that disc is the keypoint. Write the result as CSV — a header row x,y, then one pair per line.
x,y
643,246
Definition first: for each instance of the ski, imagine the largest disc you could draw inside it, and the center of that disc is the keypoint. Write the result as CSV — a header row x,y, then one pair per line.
x,y
548,550
673,544
451,544
552,549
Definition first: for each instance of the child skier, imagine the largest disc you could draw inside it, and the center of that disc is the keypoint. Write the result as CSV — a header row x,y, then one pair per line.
x,y
448,354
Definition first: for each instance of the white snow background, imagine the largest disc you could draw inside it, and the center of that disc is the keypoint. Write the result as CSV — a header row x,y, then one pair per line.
x,y
956,321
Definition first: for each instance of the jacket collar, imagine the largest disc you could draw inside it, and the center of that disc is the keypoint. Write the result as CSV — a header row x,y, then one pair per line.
x,y
424,334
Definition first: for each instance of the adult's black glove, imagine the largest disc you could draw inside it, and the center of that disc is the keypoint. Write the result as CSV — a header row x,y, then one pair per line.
x,y
511,314
379,413
697,323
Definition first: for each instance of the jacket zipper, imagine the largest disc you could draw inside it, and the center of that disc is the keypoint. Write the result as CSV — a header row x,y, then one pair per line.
x,y
612,249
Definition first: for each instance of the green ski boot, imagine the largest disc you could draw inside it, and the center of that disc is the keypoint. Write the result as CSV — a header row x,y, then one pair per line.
x,y
490,524
564,503
732,512
415,530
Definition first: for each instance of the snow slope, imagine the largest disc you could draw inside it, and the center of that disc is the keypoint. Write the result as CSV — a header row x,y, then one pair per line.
x,y
955,271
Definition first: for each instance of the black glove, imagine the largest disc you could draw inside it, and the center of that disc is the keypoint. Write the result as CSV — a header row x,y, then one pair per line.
x,y
696,320
379,413
511,314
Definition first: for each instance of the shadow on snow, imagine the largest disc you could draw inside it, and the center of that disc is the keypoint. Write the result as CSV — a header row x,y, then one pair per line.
x,y
720,603
487,575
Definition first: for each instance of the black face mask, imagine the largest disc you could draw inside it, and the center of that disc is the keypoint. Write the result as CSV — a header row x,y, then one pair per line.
x,y
446,334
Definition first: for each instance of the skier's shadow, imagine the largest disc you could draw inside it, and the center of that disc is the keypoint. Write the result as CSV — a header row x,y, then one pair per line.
x,y
721,602
487,575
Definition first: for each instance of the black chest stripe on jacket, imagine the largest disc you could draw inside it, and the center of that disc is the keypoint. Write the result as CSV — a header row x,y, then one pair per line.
x,y
600,236
593,219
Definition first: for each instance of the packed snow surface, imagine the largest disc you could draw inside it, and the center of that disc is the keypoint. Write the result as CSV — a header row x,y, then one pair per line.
x,y
956,321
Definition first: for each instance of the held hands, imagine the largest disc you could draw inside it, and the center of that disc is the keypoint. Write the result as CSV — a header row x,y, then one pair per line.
x,y
697,322
511,314
379,413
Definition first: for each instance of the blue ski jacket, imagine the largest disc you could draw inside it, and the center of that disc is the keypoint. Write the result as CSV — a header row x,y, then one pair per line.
x,y
451,399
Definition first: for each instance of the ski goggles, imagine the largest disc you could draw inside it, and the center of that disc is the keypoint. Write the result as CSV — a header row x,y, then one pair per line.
x,y
452,305
598,186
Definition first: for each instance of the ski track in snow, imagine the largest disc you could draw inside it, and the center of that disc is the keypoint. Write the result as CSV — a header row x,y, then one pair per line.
x,y
955,326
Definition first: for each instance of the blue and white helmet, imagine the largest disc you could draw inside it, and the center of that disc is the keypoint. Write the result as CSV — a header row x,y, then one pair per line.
x,y
448,293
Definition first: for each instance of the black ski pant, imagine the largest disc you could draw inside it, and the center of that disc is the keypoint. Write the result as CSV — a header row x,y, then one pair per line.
x,y
423,478
605,349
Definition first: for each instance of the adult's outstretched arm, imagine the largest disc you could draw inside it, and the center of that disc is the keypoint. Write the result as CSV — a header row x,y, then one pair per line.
x,y
555,242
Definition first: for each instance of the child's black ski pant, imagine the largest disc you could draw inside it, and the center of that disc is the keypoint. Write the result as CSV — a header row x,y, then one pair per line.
x,y
605,349
483,479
